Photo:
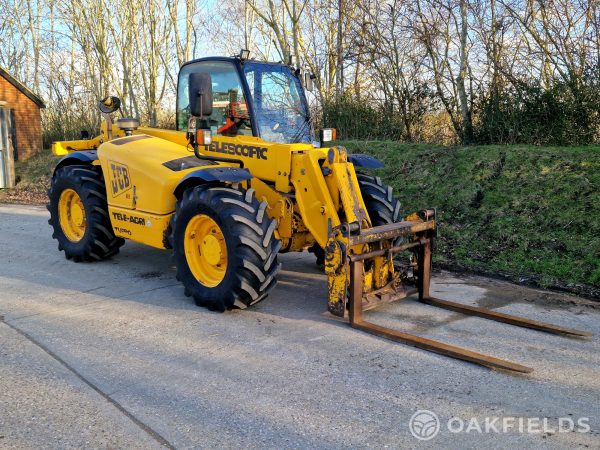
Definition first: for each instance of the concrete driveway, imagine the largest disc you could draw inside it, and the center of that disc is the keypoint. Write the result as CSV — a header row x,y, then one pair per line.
x,y
113,355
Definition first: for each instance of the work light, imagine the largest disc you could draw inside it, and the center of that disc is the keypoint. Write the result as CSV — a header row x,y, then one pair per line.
x,y
328,134
204,137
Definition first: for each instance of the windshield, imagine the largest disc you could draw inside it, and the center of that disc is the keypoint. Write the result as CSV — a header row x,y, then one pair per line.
x,y
279,104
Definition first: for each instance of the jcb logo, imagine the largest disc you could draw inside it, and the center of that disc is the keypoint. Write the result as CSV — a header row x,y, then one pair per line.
x,y
120,181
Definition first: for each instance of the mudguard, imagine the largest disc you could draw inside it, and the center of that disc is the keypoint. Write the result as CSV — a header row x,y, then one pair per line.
x,y
212,174
366,161
85,157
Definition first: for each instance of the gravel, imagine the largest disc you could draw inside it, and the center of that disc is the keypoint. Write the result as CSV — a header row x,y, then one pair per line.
x,y
113,355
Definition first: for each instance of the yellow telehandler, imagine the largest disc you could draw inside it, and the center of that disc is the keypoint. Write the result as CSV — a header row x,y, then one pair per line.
x,y
242,178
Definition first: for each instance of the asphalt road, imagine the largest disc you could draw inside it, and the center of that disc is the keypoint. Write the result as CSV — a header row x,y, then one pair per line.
x,y
113,355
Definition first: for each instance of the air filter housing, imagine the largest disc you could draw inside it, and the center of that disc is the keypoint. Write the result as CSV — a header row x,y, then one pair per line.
x,y
128,125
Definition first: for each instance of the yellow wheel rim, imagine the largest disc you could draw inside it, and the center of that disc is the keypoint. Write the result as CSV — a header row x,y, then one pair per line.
x,y
205,250
71,213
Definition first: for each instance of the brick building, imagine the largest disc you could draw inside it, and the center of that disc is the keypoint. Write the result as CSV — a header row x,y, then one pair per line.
x,y
20,117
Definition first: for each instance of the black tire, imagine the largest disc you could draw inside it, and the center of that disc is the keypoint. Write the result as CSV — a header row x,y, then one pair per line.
x,y
382,207
98,241
252,248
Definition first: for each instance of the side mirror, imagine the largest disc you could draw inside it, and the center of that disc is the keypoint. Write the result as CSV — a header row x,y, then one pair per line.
x,y
309,83
109,105
200,92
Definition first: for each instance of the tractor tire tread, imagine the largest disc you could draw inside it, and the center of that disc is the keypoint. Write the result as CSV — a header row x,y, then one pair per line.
x,y
382,209
251,245
98,242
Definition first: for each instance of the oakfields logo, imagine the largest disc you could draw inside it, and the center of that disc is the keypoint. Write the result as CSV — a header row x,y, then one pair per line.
x,y
425,425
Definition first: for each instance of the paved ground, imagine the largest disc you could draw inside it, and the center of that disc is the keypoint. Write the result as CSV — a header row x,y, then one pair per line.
x,y
113,355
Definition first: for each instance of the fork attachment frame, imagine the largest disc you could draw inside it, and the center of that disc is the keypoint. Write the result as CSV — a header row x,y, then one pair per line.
x,y
358,302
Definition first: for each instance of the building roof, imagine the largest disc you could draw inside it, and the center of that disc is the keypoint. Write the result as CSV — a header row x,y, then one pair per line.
x,y
24,89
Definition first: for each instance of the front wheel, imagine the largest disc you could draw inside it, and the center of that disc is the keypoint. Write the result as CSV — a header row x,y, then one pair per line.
x,y
382,206
224,246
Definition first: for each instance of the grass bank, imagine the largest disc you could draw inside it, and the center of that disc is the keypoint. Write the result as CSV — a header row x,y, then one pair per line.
x,y
530,214
33,178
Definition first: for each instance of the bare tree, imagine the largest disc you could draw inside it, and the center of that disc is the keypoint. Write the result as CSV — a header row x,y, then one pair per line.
x,y
424,61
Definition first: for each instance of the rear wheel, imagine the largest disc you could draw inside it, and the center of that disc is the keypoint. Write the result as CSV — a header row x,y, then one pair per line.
x,y
382,207
224,246
79,214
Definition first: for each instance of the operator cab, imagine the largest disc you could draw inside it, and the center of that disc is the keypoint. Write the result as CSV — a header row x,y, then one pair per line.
x,y
250,98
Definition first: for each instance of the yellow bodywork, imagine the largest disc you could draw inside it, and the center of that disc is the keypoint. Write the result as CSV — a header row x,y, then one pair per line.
x,y
140,187
310,191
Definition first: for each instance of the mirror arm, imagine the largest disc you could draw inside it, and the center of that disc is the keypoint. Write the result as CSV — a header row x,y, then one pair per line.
x,y
109,124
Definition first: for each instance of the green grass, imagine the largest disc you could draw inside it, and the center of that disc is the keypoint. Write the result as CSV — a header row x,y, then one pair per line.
x,y
33,178
527,212
37,167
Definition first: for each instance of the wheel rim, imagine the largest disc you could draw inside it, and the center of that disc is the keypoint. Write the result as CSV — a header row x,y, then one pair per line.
x,y
71,213
205,250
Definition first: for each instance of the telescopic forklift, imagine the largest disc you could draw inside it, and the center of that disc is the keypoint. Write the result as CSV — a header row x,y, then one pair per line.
x,y
242,178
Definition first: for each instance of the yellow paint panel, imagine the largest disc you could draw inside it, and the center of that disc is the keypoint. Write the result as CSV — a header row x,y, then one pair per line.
x,y
312,195
177,137
151,184
65,147
119,187
350,195
138,226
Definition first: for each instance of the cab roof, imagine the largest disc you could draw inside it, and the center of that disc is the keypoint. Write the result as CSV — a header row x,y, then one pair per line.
x,y
235,60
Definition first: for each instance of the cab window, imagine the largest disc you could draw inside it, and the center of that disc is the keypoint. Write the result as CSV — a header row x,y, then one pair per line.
x,y
280,109
230,116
